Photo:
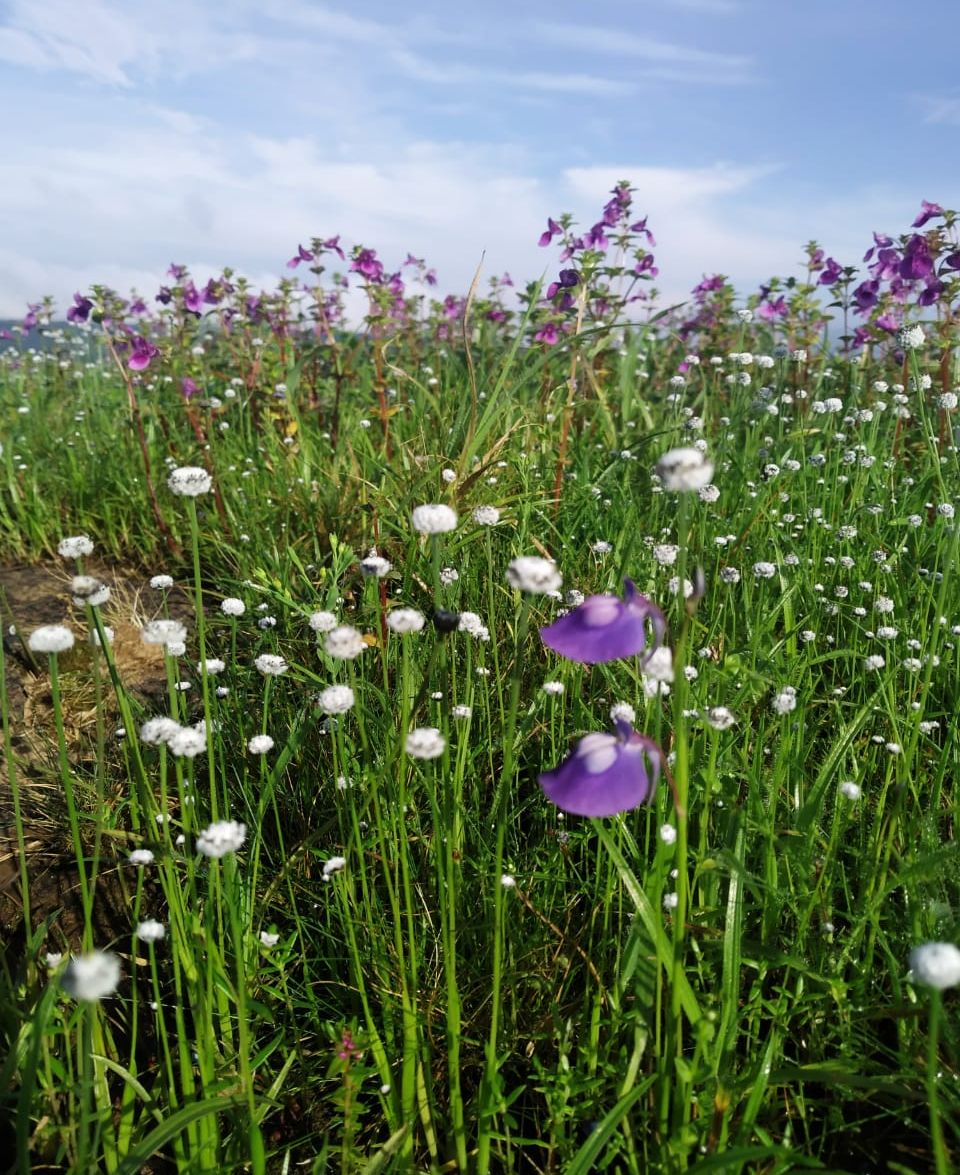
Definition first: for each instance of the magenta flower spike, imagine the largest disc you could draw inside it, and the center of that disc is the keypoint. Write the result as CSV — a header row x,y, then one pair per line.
x,y
606,628
606,774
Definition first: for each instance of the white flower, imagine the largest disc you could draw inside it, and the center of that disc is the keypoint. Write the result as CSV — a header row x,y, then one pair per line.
x,y
189,481
336,699
909,338
224,836
163,632
271,665
623,712
53,959
486,516
87,589
401,620
323,621
161,582
94,636
785,700
269,940
668,834
158,730
141,857
187,742
850,790
449,476
508,881
260,744
434,519
91,977
75,546
333,865
231,606
671,901
50,638
935,964
344,642
666,554
533,574
461,712
764,570
719,717
375,566
684,469
873,663
448,575
151,931
425,742
471,624
212,666
659,665
553,689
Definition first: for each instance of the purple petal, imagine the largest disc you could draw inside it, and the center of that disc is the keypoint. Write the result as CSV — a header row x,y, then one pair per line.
x,y
605,774
606,628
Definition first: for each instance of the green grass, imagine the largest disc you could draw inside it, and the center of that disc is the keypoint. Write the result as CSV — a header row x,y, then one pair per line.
x,y
415,1014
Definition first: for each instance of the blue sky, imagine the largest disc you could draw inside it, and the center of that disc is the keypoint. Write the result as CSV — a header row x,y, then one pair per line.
x,y
142,132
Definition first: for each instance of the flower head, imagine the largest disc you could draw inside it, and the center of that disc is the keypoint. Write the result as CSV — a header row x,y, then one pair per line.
x,y
75,546
425,742
50,638
344,642
189,481
222,837
684,469
606,628
532,573
163,632
935,964
150,930
336,699
605,774
92,976
271,664
434,519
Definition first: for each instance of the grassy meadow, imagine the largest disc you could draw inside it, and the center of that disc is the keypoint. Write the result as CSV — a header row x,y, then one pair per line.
x,y
322,857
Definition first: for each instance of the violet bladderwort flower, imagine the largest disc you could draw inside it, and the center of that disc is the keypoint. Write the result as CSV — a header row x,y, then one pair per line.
x,y
606,774
606,628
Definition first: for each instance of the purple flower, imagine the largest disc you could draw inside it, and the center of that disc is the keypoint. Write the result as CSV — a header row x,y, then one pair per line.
x,y
188,388
917,262
770,310
365,262
333,244
80,310
832,272
302,255
192,298
552,230
865,296
547,334
141,352
606,774
606,628
928,213
641,227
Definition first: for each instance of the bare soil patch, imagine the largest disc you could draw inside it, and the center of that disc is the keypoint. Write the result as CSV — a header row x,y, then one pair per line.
x,y
29,597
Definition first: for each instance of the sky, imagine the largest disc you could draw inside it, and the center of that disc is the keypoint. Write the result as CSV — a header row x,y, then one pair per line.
x,y
222,134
